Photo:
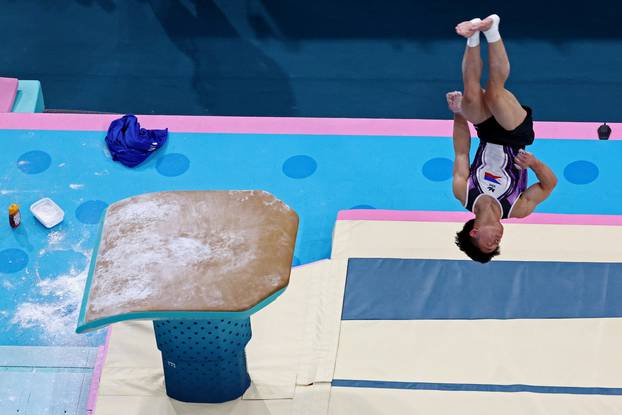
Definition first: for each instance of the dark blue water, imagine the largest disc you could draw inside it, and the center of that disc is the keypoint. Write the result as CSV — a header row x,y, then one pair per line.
x,y
318,58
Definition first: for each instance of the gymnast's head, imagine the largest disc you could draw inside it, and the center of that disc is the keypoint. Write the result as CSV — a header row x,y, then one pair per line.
x,y
480,242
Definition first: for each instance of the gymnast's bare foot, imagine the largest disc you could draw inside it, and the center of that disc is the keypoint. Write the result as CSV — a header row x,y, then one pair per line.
x,y
468,28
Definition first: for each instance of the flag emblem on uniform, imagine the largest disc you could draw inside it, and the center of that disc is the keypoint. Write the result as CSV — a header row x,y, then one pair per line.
x,y
492,178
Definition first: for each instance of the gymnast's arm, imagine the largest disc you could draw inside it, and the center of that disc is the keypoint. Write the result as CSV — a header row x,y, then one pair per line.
x,y
538,192
462,146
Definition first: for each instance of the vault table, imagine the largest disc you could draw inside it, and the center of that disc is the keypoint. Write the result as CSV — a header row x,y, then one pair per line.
x,y
198,263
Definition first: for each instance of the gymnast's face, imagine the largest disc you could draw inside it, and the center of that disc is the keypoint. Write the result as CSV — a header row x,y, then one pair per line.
x,y
487,237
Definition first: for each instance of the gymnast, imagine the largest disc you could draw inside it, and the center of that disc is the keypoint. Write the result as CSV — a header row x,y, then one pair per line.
x,y
494,186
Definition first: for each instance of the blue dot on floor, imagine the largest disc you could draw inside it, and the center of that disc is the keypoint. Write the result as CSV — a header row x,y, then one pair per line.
x,y
581,172
299,167
34,162
90,212
174,164
362,207
12,260
438,169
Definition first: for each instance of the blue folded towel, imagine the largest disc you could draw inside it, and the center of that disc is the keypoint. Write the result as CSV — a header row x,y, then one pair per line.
x,y
131,145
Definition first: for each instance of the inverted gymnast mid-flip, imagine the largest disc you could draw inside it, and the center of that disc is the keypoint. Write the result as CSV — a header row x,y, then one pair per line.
x,y
494,186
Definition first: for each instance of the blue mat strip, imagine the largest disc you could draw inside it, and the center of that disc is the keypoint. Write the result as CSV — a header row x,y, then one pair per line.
x,y
416,289
475,387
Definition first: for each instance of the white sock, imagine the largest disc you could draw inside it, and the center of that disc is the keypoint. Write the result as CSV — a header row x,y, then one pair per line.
x,y
473,40
492,34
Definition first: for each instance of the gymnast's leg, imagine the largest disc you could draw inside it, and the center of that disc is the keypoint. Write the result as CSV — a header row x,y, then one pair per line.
x,y
502,103
474,107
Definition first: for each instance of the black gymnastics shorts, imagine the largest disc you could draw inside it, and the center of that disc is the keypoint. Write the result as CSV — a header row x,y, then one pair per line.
x,y
492,132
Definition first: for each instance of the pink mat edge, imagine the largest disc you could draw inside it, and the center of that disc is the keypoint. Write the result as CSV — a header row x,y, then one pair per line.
x,y
97,371
285,125
439,216
10,88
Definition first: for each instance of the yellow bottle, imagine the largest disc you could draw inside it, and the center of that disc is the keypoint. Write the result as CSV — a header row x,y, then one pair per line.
x,y
15,218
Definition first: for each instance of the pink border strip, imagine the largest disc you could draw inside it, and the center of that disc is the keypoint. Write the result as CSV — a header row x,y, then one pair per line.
x,y
97,373
436,216
8,90
285,125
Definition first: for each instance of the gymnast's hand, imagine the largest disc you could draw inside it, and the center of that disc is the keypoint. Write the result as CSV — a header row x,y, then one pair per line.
x,y
454,100
524,159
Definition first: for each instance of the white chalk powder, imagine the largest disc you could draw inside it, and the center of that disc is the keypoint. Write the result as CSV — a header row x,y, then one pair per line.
x,y
56,237
4,192
57,313
149,261
47,212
